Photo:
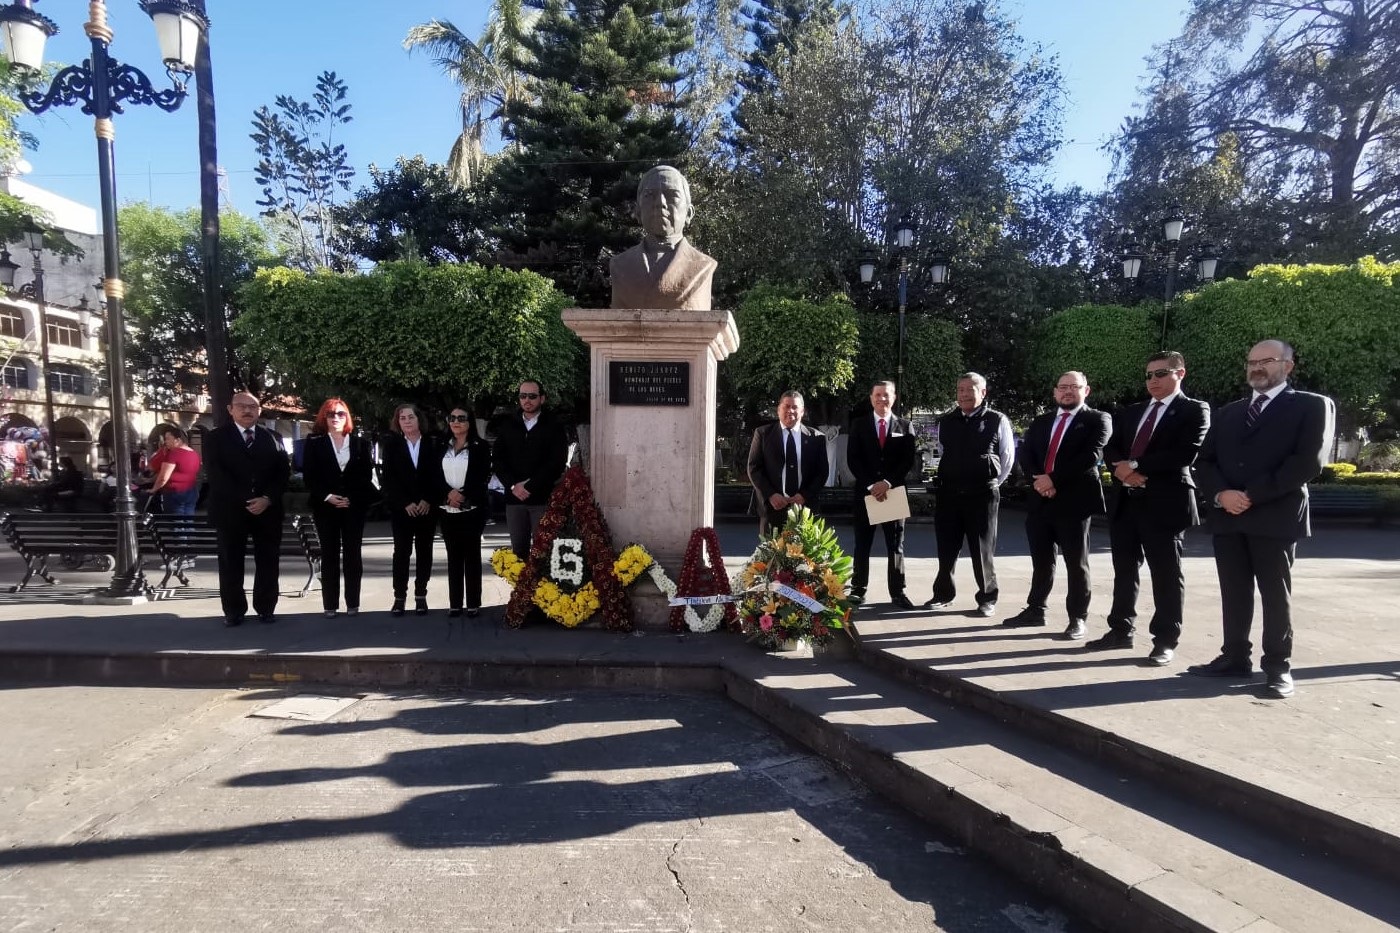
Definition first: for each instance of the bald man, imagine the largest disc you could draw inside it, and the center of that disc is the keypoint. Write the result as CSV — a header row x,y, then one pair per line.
x,y
248,470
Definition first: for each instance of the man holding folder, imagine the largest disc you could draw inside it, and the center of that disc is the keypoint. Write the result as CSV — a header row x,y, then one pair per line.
x,y
880,454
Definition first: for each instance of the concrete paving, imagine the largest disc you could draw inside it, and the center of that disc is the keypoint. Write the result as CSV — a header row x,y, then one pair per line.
x,y
1317,772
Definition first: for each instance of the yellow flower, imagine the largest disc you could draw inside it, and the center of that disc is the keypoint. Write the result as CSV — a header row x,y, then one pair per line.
x,y
794,549
506,565
833,584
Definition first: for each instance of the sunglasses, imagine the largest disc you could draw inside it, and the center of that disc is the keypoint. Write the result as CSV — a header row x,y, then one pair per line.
x,y
337,414
1159,373
529,396
458,419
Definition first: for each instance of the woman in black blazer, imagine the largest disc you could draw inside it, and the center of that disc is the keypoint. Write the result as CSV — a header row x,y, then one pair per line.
x,y
466,469
411,472
337,466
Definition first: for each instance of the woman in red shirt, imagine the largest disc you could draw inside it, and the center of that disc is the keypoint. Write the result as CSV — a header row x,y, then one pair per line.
x,y
176,468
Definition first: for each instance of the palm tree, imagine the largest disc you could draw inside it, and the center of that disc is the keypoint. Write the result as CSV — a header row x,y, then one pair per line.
x,y
487,72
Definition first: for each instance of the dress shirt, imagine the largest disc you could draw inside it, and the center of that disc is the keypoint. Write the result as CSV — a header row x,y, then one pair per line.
x,y
1271,394
342,451
1166,403
413,447
454,470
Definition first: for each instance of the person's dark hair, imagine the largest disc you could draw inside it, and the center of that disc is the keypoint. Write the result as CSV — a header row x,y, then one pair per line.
x,y
539,385
176,430
394,421
68,464
883,382
795,396
472,434
1171,357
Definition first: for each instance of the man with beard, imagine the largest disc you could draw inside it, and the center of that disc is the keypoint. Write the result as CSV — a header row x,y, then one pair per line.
x,y
1256,462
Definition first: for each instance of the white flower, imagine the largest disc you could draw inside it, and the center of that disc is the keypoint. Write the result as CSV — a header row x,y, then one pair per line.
x,y
566,561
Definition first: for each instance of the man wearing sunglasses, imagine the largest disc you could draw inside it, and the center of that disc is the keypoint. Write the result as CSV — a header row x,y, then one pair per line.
x,y
1256,462
530,455
1150,453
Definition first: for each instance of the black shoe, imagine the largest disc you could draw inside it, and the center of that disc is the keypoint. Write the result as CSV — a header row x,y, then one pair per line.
x,y
1161,656
1223,666
420,606
1279,687
1111,641
1026,618
266,618
986,610
330,613
937,603
1075,630
231,621
397,608
454,613
473,613
352,610
858,594
900,601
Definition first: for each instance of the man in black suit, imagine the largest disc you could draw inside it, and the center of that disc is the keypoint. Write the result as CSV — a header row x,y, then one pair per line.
x,y
880,453
976,451
1061,455
1151,451
247,469
530,455
787,463
1256,462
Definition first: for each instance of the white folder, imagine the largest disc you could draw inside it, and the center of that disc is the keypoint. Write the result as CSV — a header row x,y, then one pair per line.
x,y
895,506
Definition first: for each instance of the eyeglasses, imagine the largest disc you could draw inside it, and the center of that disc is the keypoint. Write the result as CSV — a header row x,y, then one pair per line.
x,y
337,414
1067,386
1159,373
1265,362
529,396
458,419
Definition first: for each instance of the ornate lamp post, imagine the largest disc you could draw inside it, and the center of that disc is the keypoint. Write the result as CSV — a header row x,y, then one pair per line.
x,y
904,243
1172,227
34,291
101,85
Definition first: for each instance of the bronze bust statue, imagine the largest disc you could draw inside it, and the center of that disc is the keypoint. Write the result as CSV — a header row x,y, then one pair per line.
x,y
663,271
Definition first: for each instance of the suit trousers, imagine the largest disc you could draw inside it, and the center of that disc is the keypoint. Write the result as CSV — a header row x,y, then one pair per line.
x,y
520,523
461,536
342,533
966,515
413,535
1135,535
1071,537
231,537
1243,561
894,547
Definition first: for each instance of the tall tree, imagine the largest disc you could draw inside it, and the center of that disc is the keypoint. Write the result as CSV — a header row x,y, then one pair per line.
x,y
603,108
1298,101
302,171
488,71
415,211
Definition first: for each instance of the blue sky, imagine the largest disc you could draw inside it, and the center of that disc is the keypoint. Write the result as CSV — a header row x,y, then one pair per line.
x,y
403,106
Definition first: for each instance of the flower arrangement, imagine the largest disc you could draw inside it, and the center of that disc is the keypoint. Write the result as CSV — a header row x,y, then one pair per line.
x,y
702,575
794,585
562,574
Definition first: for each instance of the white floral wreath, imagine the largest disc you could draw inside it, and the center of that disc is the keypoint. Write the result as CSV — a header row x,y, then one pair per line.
x,y
693,620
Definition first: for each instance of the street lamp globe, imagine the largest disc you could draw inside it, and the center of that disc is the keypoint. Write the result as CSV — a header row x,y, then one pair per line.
x,y
179,26
1132,261
8,268
1206,263
1173,225
867,267
24,33
904,233
938,270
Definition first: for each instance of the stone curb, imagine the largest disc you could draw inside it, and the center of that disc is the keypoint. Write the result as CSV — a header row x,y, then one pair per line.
x,y
1315,827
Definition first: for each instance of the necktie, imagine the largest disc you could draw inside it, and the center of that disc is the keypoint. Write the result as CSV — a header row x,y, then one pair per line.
x,y
882,433
790,478
1144,433
247,437
1252,415
1055,441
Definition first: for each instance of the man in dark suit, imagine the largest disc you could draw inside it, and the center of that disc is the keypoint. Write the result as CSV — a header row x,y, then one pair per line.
x,y
976,451
248,470
530,455
1256,462
1061,456
787,463
880,453
1151,451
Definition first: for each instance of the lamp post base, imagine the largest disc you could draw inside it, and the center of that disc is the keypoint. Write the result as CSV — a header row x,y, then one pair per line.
x,y
123,590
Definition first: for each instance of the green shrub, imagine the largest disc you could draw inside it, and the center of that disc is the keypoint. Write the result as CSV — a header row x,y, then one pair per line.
x,y
1381,456
1371,479
1333,472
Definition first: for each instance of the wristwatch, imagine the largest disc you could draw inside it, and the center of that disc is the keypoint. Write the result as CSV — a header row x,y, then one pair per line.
x,y
1132,464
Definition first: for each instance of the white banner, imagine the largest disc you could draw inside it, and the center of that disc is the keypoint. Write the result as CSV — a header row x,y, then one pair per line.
x,y
699,600
802,599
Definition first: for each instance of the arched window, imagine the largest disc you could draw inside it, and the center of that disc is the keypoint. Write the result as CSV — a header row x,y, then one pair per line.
x,y
12,324
15,374
64,377
65,333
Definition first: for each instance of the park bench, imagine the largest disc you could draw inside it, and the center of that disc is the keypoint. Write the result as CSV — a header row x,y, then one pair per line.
x,y
1335,500
77,539
180,539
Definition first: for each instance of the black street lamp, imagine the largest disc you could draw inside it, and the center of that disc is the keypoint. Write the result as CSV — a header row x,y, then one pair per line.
x,y
101,85
904,243
1173,225
34,291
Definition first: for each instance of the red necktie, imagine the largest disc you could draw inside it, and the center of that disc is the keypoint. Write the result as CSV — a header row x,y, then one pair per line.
x,y
1144,433
882,432
1055,440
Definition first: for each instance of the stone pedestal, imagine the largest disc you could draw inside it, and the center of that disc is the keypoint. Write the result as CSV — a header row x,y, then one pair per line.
x,y
652,466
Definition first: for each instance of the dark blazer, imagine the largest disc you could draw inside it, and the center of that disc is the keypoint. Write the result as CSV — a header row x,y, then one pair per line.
x,y
1078,490
402,482
1170,493
478,472
766,462
238,473
324,477
869,463
536,457
1271,462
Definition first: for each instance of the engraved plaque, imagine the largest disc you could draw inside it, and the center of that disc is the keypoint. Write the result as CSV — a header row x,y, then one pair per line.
x,y
648,382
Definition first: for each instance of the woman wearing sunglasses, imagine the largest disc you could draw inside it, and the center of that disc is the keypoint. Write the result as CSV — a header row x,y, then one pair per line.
x,y
337,466
412,478
466,469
